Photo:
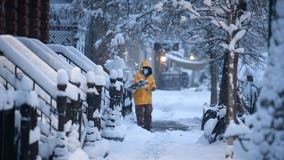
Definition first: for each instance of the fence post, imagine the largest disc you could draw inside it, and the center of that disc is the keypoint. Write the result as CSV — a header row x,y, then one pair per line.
x,y
35,131
110,122
94,120
75,105
90,100
120,91
114,129
7,125
98,100
60,150
25,131
27,101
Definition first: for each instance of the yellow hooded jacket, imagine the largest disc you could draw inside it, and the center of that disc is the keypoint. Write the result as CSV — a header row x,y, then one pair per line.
x,y
142,96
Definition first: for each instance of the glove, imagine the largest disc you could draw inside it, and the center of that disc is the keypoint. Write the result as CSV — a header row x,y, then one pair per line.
x,y
146,89
149,89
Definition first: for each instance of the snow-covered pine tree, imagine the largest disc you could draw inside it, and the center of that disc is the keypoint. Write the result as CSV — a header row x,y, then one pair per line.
x,y
268,136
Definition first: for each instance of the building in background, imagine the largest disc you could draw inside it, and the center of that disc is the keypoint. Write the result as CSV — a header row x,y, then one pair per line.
x,y
69,23
27,18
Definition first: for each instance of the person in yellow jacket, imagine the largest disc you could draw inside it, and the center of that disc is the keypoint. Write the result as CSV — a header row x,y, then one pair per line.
x,y
143,95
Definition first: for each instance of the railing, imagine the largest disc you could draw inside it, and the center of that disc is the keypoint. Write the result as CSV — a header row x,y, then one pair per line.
x,y
55,105
11,79
31,71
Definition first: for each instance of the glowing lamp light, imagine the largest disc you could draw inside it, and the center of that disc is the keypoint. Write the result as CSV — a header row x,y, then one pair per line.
x,y
163,59
191,57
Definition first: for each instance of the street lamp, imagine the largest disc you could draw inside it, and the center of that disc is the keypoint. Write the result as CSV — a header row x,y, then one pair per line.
x,y
163,59
191,57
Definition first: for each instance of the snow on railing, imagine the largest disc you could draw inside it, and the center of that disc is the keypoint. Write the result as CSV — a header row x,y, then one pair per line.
x,y
41,69
11,49
45,106
45,53
33,66
64,51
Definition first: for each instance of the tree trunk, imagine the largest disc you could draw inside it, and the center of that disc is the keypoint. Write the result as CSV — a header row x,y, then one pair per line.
x,y
235,87
213,71
223,100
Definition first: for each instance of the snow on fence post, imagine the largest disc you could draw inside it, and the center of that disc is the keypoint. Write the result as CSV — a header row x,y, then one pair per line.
x,y
112,89
100,81
60,149
110,121
91,94
7,124
27,100
120,91
94,145
113,129
73,111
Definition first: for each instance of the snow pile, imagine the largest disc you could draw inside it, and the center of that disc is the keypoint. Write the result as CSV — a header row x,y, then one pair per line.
x,y
60,150
98,151
79,154
208,127
116,133
119,73
91,77
118,85
114,128
24,94
96,114
207,2
113,74
159,6
75,76
46,144
73,142
62,77
236,129
34,135
94,145
118,40
100,78
115,63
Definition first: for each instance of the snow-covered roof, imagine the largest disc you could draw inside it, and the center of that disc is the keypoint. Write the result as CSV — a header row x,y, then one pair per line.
x,y
190,64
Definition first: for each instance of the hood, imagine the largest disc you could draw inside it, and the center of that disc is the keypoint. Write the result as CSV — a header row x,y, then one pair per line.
x,y
144,63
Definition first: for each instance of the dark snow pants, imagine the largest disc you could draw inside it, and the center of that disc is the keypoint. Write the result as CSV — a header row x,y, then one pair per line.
x,y
143,115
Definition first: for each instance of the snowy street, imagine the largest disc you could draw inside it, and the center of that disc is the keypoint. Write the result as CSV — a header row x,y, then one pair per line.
x,y
179,137
206,78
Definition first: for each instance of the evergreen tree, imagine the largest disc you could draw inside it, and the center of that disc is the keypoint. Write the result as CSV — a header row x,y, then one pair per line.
x,y
268,134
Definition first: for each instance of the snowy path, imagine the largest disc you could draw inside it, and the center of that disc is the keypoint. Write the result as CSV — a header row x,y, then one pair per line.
x,y
181,107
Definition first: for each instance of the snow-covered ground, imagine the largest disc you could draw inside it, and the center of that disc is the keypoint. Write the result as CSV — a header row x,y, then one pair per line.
x,y
183,107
